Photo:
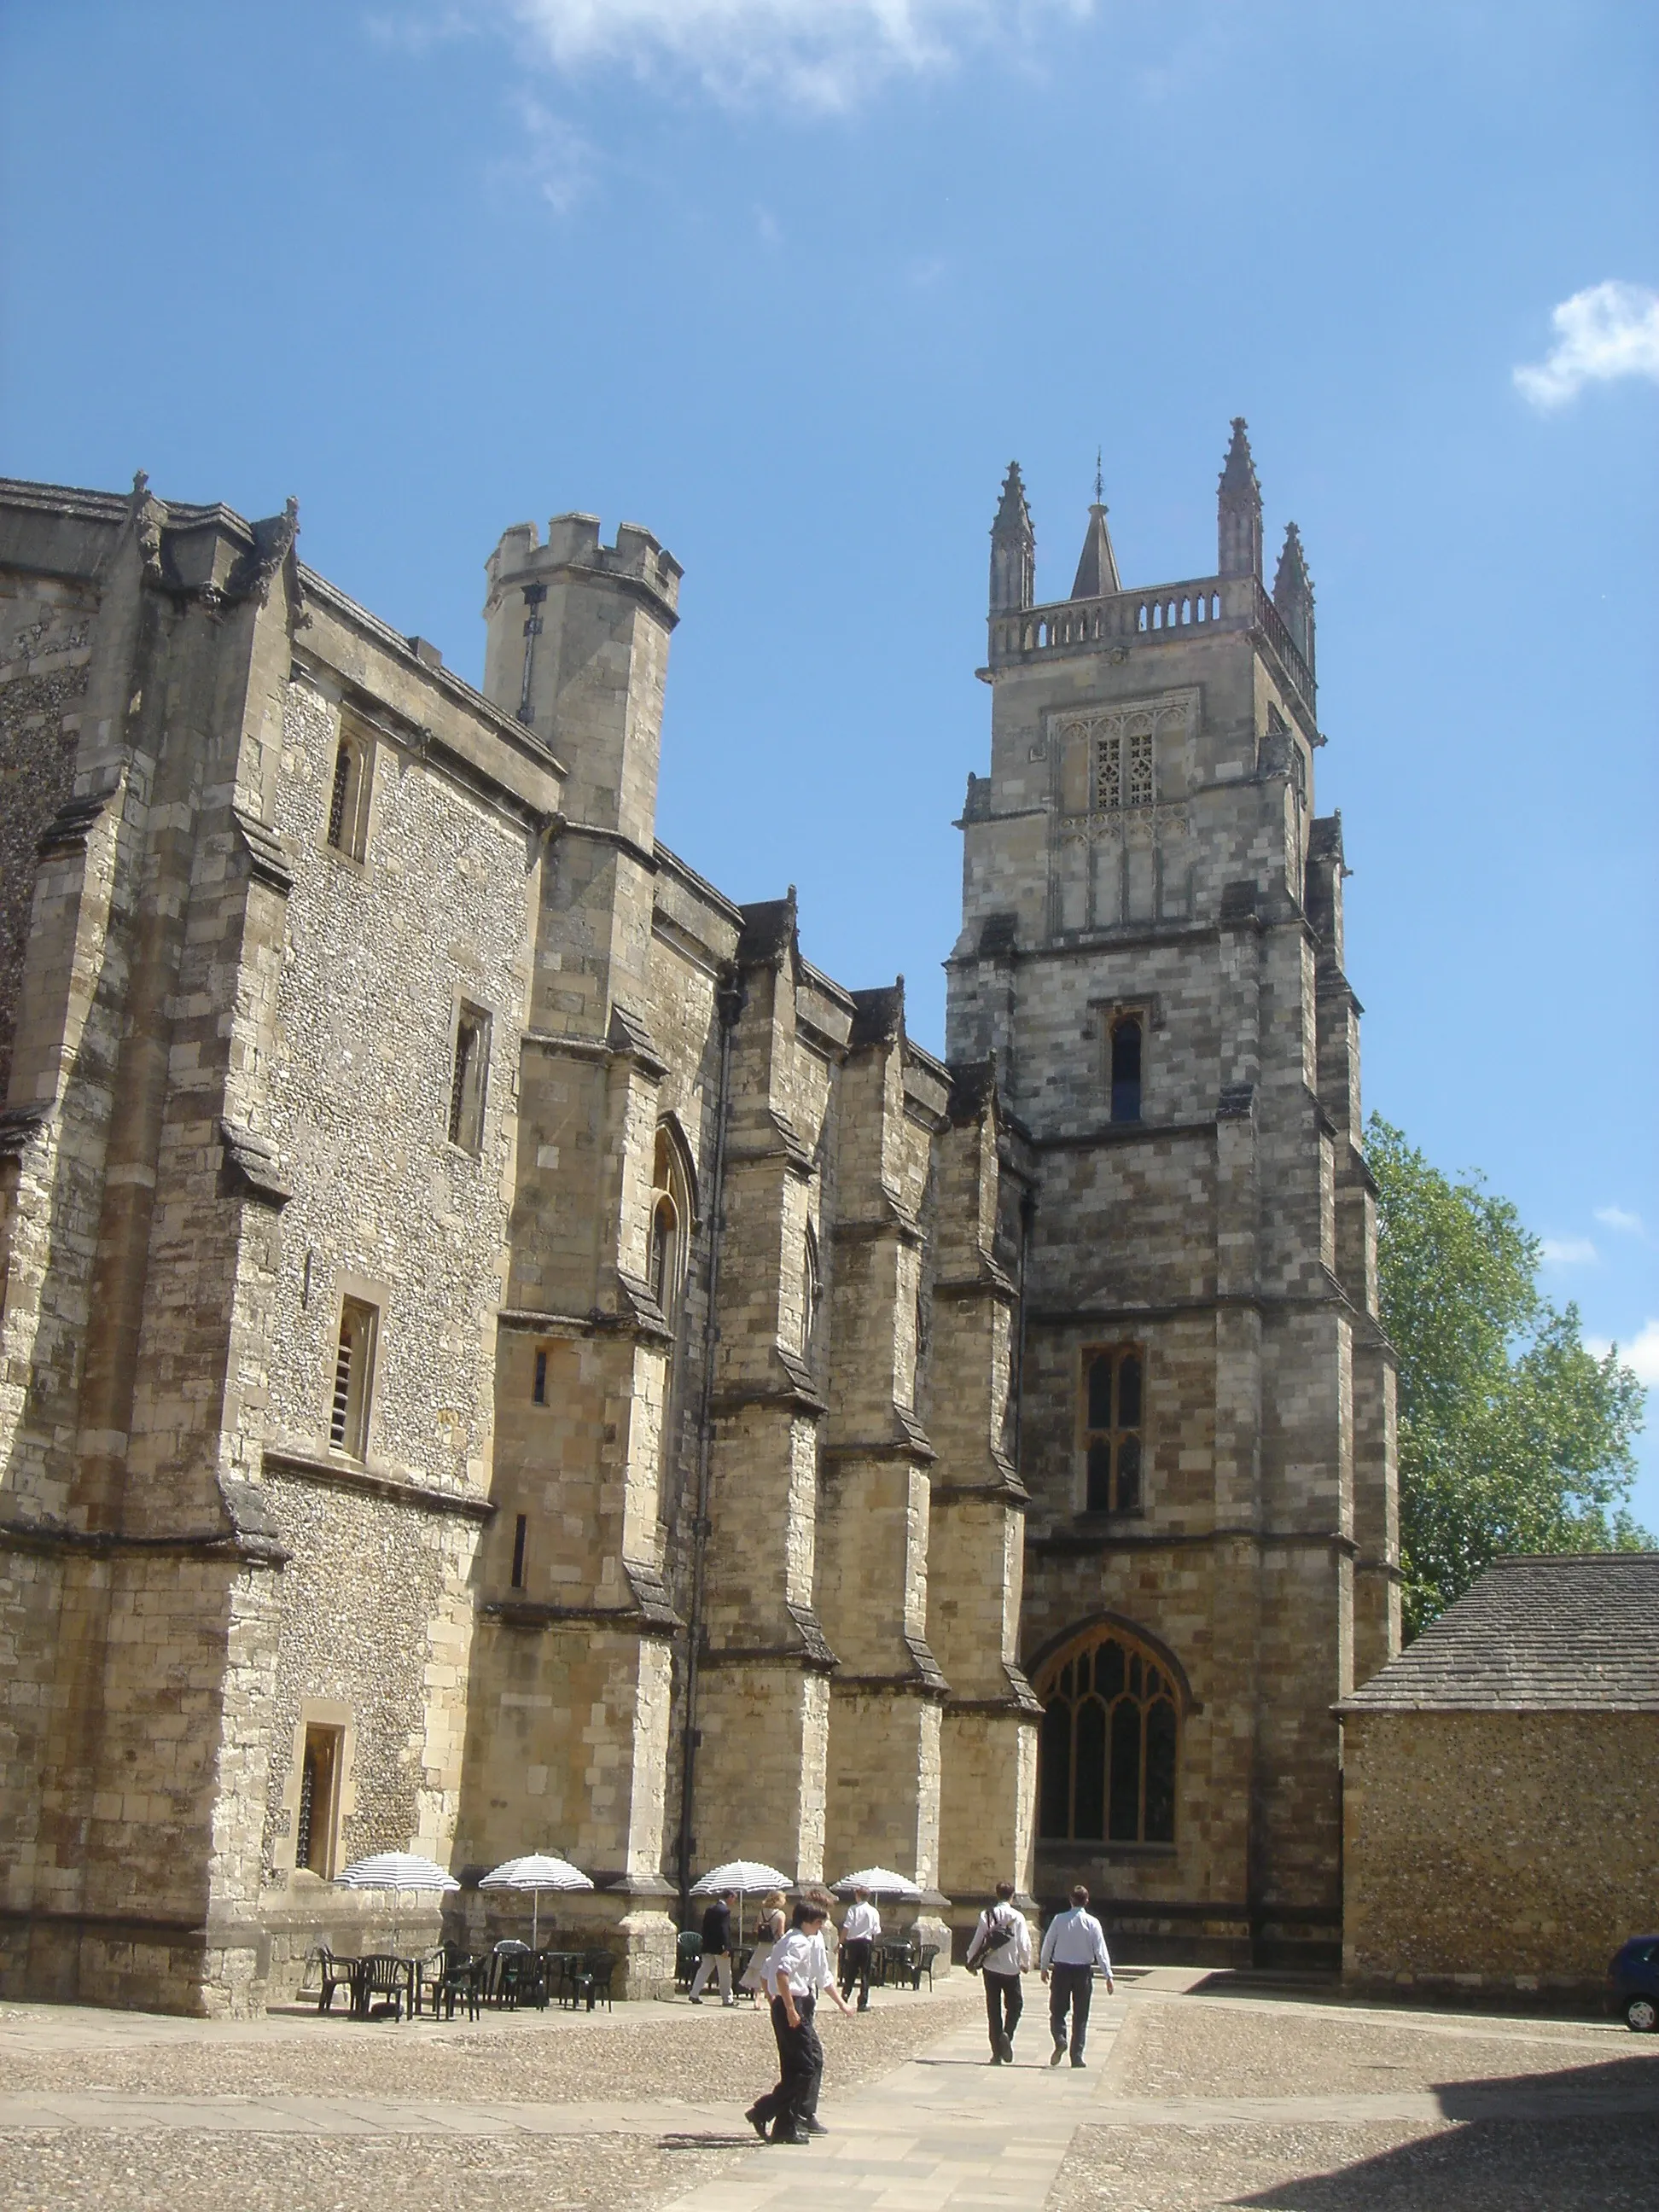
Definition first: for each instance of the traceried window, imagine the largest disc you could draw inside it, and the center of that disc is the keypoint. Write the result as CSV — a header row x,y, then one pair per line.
x,y
469,1079
319,1798
671,1225
348,798
1127,1038
1113,1427
354,1377
1124,770
1108,1752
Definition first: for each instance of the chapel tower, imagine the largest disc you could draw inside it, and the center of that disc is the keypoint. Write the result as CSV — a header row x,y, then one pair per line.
x,y
1151,949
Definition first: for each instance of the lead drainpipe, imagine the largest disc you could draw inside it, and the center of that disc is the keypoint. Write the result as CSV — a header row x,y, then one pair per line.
x,y
729,1004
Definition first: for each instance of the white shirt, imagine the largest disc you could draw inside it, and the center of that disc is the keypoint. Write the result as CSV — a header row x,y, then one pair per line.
x,y
1076,1939
861,1925
802,1958
1005,1939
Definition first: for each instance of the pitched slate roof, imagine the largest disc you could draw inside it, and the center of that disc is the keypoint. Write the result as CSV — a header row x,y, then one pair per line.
x,y
1578,1631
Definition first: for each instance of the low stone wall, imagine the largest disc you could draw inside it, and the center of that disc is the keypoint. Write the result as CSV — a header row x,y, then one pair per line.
x,y
1495,1851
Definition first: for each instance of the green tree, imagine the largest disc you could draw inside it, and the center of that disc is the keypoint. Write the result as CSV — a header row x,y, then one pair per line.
x,y
1513,1437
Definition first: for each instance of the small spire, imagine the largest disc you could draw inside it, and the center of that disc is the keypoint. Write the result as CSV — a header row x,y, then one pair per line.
x,y
1100,481
1013,548
1293,594
1238,509
1096,575
1012,513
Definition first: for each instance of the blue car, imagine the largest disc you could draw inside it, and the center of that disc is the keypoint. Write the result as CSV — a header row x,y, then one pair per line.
x,y
1634,1975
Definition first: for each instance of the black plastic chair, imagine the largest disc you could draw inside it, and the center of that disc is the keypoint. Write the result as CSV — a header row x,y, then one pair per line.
x,y
598,1968
333,1974
514,1974
389,1979
687,1952
466,1981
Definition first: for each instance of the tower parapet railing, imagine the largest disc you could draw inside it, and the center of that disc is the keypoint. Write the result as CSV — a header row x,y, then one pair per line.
x,y
1161,613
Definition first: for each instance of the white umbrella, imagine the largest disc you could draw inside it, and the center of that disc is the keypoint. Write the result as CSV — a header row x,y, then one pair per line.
x,y
396,1871
538,1871
746,1876
881,1882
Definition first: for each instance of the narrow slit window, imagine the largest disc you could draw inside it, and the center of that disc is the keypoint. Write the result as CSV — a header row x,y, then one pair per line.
x,y
671,1219
1113,1428
469,1079
520,1534
348,800
354,1377
538,1386
320,1797
1126,1068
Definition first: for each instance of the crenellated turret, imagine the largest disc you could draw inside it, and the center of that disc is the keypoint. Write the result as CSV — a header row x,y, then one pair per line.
x,y
1293,595
1238,534
1013,548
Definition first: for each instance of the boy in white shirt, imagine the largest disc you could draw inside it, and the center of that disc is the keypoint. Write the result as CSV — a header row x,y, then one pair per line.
x,y
1072,1950
1003,1940
859,1934
796,1969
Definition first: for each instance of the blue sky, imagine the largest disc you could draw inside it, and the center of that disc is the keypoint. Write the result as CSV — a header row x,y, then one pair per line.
x,y
789,282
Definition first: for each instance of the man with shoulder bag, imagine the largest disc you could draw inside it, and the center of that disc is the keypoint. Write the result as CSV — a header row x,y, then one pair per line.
x,y
1001,1946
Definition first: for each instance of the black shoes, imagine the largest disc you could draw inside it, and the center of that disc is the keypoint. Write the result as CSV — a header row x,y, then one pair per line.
x,y
1006,2048
1079,2062
814,2125
1057,2054
799,2141
756,2121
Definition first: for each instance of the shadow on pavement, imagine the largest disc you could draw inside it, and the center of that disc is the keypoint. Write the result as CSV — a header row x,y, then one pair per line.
x,y
1585,2140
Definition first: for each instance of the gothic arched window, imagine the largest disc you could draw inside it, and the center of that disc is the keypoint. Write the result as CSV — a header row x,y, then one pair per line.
x,y
671,1224
1114,1423
1110,1738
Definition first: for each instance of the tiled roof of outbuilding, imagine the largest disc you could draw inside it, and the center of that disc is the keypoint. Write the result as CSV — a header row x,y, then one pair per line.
x,y
1577,1631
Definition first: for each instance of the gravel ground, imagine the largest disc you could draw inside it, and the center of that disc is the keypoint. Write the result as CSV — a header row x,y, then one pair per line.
x,y
1561,2166
707,2056
1197,2050
334,2174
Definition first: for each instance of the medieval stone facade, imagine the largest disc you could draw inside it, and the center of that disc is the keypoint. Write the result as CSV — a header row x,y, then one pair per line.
x,y
1151,952
501,1353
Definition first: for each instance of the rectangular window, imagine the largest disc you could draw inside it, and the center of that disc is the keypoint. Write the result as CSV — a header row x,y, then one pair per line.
x,y
354,1377
347,798
518,1535
1127,1039
314,1832
538,1388
1113,1428
469,1079
1124,771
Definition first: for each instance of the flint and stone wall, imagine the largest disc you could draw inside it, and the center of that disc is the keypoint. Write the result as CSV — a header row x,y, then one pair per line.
x,y
1480,1856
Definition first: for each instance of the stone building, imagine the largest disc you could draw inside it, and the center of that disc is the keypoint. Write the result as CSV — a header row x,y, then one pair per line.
x,y
1501,1797
1151,952
500,1352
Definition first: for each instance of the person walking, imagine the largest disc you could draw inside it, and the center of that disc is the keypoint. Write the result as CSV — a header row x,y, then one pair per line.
x,y
1002,1942
716,1949
859,1933
796,1970
1073,1947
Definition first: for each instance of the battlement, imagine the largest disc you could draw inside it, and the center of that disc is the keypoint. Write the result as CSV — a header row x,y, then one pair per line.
x,y
573,543
1163,614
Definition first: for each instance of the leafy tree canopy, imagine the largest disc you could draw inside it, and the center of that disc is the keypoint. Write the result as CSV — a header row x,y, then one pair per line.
x,y
1513,1437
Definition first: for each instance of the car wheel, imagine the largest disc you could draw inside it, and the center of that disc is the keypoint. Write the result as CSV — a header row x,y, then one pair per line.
x,y
1643,2015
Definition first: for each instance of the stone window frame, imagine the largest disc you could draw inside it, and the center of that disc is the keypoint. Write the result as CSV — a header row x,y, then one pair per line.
x,y
467,1118
673,1219
363,1291
1149,1680
1105,1014
355,741
1087,1439
318,1713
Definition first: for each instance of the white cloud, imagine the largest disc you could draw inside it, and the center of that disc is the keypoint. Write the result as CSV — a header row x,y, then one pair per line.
x,y
813,53
1607,330
1568,1251
1642,1354
556,160
1615,1217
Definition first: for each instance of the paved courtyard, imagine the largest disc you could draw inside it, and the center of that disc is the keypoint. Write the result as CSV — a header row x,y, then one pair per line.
x,y
1199,2093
